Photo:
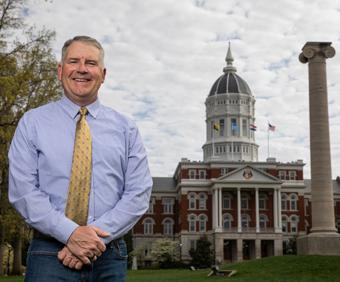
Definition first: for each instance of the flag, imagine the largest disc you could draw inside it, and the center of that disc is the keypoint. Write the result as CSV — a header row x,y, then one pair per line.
x,y
216,126
271,127
252,127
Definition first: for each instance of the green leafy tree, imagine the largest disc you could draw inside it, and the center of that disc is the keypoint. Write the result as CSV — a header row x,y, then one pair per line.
x,y
27,80
166,252
202,256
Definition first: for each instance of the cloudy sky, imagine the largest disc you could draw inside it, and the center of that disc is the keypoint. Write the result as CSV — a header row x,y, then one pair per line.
x,y
163,56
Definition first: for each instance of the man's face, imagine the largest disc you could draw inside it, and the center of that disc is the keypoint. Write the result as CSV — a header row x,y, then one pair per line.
x,y
81,73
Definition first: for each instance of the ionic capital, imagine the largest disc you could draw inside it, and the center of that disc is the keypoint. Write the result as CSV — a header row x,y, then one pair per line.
x,y
316,52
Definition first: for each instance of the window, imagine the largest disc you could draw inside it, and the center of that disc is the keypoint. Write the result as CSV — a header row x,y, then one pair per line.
x,y
168,204
262,201
226,202
202,223
263,221
227,219
282,174
284,200
192,223
284,224
294,221
202,201
151,203
293,202
168,226
244,127
244,202
148,226
221,127
234,127
245,219
292,175
192,174
202,174
192,201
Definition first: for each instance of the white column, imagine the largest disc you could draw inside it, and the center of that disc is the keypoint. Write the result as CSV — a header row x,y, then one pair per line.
x,y
216,208
279,209
220,209
257,211
275,209
239,222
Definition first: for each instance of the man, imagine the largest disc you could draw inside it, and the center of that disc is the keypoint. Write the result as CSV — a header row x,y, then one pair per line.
x,y
78,175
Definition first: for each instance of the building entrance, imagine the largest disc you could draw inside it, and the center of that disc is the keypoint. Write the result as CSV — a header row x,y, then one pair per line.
x,y
229,250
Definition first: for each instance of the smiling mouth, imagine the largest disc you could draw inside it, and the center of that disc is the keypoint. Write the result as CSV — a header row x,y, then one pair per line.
x,y
81,79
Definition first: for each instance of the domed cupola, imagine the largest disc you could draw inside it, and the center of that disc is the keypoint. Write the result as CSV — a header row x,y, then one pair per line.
x,y
230,118
229,82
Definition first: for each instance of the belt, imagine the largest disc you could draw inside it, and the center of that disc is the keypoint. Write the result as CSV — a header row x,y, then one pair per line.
x,y
41,236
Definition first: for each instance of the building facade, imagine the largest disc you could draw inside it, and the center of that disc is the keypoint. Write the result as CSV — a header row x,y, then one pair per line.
x,y
247,208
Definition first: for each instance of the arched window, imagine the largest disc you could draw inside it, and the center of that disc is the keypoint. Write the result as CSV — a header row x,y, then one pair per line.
x,y
192,223
148,226
202,205
192,201
168,226
226,202
294,221
293,202
227,220
263,221
202,223
245,218
284,200
284,224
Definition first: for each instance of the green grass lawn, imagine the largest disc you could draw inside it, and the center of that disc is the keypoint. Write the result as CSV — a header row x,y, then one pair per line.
x,y
274,269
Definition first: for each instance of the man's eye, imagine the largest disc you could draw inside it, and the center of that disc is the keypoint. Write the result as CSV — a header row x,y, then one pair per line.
x,y
92,63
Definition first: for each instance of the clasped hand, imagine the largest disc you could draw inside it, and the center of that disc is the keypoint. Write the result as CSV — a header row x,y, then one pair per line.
x,y
83,246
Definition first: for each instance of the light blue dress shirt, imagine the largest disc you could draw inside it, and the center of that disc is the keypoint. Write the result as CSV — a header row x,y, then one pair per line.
x,y
40,160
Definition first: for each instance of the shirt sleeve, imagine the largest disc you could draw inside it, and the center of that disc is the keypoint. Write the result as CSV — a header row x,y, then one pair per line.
x,y
137,190
24,191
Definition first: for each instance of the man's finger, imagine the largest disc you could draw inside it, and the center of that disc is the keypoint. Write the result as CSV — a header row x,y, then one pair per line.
x,y
100,232
61,254
78,265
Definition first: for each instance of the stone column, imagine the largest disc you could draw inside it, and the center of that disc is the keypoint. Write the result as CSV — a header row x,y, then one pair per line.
x,y
239,250
275,210
239,222
220,209
214,219
279,210
323,239
257,211
258,248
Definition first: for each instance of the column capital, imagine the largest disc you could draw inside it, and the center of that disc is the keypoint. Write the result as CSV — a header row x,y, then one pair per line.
x,y
316,52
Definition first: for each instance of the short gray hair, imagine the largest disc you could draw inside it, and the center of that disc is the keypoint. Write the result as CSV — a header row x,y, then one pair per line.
x,y
84,39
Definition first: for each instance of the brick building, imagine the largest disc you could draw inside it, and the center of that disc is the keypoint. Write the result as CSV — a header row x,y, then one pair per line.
x,y
247,208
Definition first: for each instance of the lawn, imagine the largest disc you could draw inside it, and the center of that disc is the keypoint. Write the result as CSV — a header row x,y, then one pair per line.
x,y
274,269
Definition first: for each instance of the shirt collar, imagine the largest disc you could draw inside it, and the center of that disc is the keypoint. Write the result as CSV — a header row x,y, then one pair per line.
x,y
72,109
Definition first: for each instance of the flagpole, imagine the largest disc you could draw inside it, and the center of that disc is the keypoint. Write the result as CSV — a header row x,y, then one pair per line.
x,y
268,143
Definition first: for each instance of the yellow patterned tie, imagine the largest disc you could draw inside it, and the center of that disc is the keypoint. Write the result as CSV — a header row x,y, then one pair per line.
x,y
80,180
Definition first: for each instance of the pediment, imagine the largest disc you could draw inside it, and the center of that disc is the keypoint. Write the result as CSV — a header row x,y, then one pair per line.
x,y
248,174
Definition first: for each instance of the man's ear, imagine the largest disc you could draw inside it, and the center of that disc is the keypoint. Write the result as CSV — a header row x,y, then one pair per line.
x,y
104,74
60,71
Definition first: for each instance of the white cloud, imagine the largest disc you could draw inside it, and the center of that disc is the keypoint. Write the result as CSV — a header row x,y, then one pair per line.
x,y
163,57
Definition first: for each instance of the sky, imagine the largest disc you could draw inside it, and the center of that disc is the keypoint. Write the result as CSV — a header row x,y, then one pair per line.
x,y
163,56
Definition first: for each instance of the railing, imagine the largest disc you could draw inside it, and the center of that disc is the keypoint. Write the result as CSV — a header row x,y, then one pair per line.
x,y
248,230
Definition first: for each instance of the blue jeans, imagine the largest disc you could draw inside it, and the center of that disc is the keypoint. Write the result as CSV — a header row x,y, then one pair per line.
x,y
43,264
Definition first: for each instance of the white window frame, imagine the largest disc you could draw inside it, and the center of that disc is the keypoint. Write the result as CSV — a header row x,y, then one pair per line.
x,y
192,201
168,226
202,223
148,223
202,201
292,175
151,204
227,217
202,174
192,218
284,201
246,206
226,199
245,220
192,173
263,199
293,202
168,205
282,174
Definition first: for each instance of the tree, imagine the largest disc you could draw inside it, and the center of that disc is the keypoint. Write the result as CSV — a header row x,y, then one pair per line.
x,y
27,79
202,255
166,252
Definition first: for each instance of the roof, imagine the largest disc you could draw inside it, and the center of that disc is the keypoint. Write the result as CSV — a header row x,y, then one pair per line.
x,y
336,186
163,184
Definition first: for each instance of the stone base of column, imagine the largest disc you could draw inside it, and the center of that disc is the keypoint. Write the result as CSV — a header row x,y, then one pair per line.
x,y
218,250
324,244
239,254
258,248
278,248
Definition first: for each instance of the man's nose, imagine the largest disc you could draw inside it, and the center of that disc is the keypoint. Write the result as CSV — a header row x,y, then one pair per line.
x,y
82,67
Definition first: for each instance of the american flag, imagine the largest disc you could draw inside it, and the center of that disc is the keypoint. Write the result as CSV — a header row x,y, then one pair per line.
x,y
252,127
271,127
